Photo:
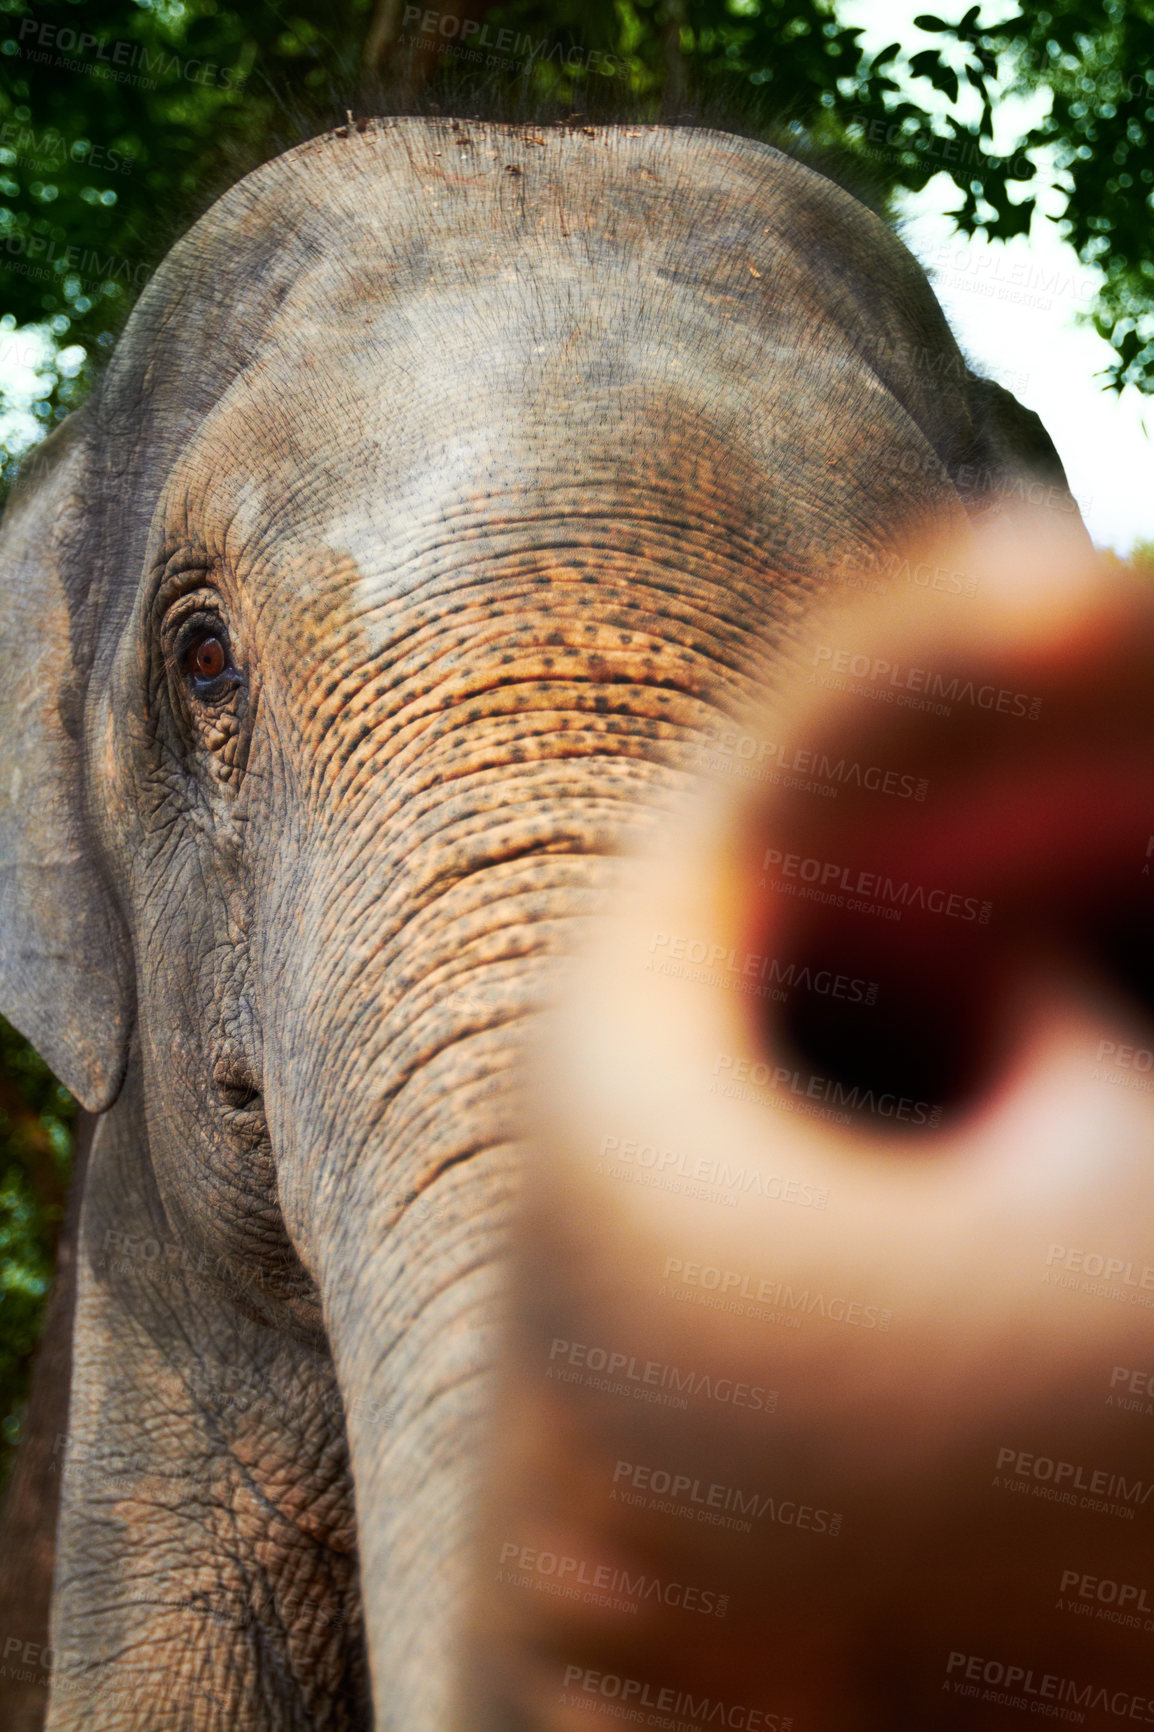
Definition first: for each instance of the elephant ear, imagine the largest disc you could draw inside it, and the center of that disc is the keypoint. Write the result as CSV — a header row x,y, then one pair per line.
x,y
64,959
1019,451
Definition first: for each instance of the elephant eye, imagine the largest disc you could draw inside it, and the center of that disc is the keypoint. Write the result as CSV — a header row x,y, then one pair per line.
x,y
205,659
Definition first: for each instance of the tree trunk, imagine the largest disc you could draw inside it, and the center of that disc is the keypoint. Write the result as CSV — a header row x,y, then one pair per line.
x,y
676,87
396,63
28,1523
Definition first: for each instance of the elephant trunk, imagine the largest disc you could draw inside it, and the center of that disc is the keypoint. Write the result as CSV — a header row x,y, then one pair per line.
x,y
837,1250
393,1078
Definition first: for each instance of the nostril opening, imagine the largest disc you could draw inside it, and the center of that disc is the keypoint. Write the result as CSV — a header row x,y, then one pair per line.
x,y
236,1086
1123,945
906,1039
915,1027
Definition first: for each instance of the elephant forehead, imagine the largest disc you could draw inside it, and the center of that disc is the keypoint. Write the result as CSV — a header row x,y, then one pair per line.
x,y
429,203
487,390
441,427
360,306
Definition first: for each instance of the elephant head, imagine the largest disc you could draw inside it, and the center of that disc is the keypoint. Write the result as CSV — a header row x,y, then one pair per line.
x,y
451,490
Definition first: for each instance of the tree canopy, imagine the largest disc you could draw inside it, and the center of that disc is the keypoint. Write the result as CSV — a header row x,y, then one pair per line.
x,y
36,1116
121,119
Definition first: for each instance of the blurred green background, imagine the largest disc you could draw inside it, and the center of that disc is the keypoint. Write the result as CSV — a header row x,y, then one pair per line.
x,y
36,1117
121,120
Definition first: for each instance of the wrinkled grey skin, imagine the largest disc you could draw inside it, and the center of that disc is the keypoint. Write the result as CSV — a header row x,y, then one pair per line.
x,y
503,460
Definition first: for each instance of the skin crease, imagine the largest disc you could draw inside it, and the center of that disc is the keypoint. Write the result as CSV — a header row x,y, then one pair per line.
x,y
504,463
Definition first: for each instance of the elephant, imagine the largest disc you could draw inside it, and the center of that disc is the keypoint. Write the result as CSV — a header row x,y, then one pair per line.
x,y
453,490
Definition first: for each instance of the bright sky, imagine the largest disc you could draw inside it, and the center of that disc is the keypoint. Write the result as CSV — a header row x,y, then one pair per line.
x,y
1013,307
